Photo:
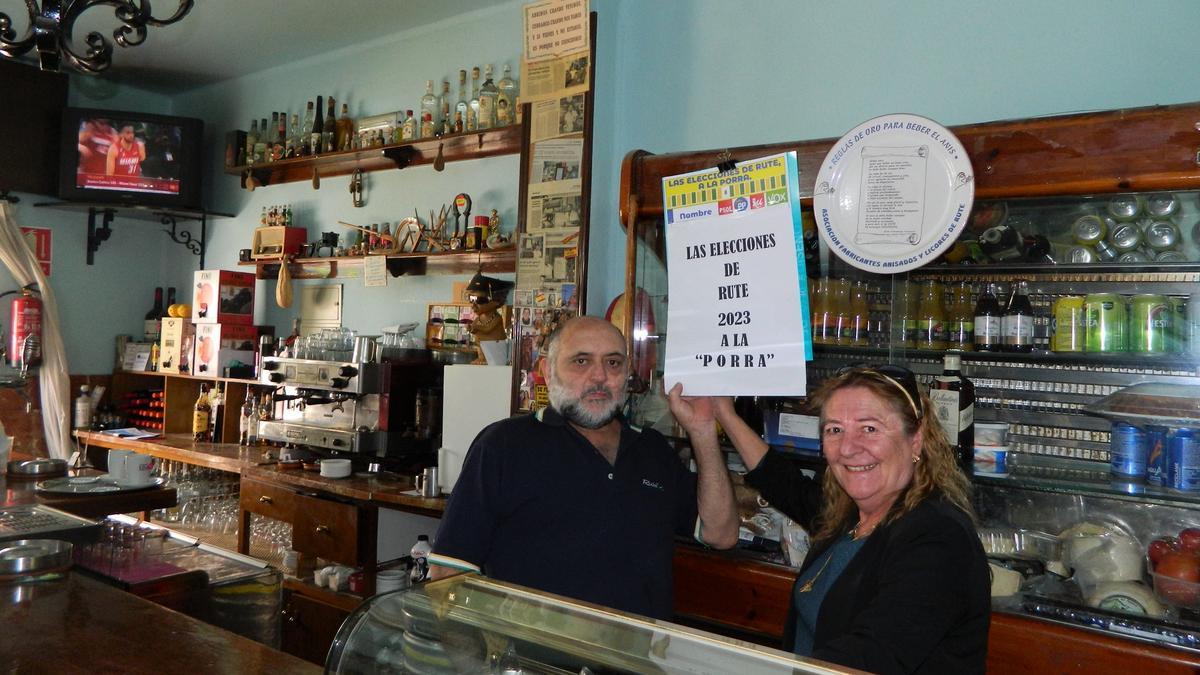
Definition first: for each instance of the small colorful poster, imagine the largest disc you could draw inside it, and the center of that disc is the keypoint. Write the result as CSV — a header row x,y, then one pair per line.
x,y
738,316
38,239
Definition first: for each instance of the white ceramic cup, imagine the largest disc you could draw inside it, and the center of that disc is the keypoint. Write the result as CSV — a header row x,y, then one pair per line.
x,y
117,460
138,469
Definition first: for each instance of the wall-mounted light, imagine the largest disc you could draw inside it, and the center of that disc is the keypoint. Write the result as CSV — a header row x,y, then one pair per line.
x,y
51,25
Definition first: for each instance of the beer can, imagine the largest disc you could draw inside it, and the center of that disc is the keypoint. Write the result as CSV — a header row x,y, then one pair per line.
x,y
1156,455
1125,207
1171,257
1105,315
1162,205
1125,237
1183,460
1149,324
1081,254
1128,450
1088,229
1105,252
1068,324
1162,235
1133,257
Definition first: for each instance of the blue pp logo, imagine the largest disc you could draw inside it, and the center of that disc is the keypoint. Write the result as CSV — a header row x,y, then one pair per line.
x,y
741,204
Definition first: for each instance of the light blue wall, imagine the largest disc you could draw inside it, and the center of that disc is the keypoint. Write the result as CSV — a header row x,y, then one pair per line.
x,y
672,75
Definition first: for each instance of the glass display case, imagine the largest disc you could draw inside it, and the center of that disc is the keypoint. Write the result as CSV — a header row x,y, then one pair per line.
x,y
1099,215
470,624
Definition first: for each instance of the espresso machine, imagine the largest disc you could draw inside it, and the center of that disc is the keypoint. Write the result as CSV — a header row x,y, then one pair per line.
x,y
375,412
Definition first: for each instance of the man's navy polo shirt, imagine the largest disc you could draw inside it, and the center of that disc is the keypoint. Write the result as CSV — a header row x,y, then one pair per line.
x,y
537,505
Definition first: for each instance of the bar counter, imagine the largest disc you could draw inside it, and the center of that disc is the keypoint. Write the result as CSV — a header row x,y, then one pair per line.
x,y
75,624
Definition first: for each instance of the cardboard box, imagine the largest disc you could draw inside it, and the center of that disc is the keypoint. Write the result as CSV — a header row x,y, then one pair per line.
x,y
791,431
223,297
220,345
176,345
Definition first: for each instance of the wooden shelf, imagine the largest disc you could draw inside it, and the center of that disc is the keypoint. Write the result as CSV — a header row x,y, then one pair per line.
x,y
454,148
413,264
159,373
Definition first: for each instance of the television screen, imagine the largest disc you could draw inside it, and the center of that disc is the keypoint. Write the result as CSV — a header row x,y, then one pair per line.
x,y
131,158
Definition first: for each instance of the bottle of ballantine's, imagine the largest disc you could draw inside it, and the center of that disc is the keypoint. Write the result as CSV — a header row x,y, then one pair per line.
x,y
953,398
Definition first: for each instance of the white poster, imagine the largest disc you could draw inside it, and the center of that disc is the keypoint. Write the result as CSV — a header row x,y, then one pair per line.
x,y
738,310
556,28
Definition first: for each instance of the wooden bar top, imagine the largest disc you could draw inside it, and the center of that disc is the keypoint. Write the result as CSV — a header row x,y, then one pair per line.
x,y
379,490
79,625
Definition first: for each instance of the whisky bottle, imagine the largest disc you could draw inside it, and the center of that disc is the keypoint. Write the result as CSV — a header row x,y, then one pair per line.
x,y
506,102
345,129
473,104
329,131
305,147
316,133
953,398
429,107
488,95
200,416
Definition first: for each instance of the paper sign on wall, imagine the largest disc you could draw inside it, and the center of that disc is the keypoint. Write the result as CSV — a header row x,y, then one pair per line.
x,y
738,316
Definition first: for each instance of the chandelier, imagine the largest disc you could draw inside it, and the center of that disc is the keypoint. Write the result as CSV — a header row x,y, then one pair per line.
x,y
50,28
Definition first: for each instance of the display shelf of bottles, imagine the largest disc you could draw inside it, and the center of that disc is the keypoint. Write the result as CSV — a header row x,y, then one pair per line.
x,y
157,373
451,147
500,261
1166,362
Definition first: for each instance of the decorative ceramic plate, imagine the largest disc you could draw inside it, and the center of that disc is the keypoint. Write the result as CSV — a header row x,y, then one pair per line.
x,y
90,485
893,193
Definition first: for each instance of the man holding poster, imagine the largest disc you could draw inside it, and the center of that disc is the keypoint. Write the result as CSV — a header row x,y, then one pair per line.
x,y
739,304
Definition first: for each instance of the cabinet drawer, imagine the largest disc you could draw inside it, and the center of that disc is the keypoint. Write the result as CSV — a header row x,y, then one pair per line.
x,y
327,529
265,499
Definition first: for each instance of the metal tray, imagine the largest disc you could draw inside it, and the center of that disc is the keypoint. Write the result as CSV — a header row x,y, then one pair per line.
x,y
91,485
44,466
34,556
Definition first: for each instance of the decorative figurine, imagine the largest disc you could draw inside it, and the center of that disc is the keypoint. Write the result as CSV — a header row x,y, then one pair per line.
x,y
488,296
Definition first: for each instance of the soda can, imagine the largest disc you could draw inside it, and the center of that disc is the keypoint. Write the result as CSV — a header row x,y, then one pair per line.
x,y
1171,257
1149,324
1162,205
1125,237
1133,257
1088,229
1068,325
1105,252
1162,235
1183,460
1125,207
1128,450
1106,326
1156,455
1081,254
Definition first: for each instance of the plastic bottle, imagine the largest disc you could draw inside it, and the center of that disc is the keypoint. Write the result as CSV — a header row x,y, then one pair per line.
x,y
420,559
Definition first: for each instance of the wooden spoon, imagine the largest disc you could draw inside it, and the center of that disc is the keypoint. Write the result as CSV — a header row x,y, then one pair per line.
x,y
283,287
439,162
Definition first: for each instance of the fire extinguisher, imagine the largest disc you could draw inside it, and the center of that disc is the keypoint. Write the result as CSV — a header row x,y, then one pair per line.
x,y
25,335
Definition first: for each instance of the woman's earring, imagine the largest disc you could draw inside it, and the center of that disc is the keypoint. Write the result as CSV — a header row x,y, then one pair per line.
x,y
916,458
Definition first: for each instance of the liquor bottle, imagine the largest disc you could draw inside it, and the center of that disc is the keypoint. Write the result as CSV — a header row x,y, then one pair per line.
x,y
408,130
931,318
83,409
315,133
251,141
458,123
904,319
988,321
262,152
820,309
329,131
345,129
170,296
860,315
429,107
152,326
461,107
269,136
292,145
506,102
488,94
216,413
961,315
305,128
200,415
385,236
444,105
473,104
953,399
248,424
1017,323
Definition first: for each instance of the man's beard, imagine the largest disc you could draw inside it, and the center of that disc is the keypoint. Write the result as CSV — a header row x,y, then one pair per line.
x,y
572,409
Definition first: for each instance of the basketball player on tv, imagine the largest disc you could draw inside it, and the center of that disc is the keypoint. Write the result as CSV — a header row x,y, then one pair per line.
x,y
126,154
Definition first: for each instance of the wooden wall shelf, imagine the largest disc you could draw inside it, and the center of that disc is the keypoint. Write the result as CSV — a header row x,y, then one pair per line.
x,y
453,147
413,264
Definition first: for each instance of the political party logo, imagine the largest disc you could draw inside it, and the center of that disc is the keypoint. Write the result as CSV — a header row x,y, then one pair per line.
x,y
776,197
758,201
724,207
741,204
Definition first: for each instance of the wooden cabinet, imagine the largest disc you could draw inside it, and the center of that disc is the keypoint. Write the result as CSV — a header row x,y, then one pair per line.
x,y
329,530
309,626
179,395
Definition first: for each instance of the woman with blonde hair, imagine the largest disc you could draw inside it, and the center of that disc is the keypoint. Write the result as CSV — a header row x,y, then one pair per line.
x,y
896,580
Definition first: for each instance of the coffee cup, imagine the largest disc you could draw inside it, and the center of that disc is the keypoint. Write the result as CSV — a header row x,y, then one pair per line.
x,y
138,469
116,464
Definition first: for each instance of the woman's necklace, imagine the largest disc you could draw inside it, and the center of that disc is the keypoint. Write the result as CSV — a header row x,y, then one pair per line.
x,y
808,585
